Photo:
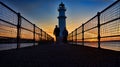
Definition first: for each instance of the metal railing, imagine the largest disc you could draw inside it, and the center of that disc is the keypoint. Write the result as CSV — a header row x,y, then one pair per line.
x,y
104,27
14,28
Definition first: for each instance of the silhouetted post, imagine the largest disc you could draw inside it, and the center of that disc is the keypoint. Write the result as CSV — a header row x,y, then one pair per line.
x,y
34,34
39,37
83,34
76,36
72,37
18,30
98,14
45,37
48,37
68,39
41,34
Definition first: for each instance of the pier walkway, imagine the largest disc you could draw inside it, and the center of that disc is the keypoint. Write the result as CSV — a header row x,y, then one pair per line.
x,y
59,55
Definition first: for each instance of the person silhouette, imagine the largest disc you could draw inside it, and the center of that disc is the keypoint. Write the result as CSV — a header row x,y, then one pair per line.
x,y
65,35
56,33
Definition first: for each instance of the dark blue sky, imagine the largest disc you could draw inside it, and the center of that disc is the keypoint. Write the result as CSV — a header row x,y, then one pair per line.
x,y
44,12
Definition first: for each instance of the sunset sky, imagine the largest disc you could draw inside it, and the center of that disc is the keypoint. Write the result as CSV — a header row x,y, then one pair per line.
x,y
44,13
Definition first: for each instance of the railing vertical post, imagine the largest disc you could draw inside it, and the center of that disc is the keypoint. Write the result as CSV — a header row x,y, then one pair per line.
x,y
76,36
72,37
18,30
41,35
34,34
98,14
83,34
39,38
45,36
68,39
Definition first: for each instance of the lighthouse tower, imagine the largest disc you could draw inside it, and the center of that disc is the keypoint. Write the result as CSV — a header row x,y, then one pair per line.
x,y
62,18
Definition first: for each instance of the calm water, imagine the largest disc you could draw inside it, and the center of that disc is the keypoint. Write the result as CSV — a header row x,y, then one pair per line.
x,y
13,46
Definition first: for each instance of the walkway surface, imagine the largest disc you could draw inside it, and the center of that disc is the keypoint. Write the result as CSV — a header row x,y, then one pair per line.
x,y
59,55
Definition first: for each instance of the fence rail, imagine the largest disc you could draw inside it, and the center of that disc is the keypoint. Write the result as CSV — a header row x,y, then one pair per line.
x,y
14,28
104,27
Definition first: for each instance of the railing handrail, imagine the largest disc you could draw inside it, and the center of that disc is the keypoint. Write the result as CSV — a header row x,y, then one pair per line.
x,y
8,7
36,32
110,6
99,21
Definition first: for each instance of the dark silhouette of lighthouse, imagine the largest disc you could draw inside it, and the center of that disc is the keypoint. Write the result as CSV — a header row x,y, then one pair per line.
x,y
61,18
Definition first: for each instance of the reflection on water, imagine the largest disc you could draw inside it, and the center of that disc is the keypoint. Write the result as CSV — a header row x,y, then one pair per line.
x,y
111,45
106,45
91,44
14,46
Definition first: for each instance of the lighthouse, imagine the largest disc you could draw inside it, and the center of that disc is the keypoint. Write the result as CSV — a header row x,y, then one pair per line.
x,y
61,18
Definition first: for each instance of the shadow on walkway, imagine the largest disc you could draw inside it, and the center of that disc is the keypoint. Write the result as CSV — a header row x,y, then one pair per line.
x,y
59,55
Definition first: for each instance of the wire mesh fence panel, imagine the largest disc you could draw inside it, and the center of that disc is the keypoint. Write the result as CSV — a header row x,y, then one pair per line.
x,y
26,34
37,30
79,37
37,37
91,23
43,35
111,13
16,30
7,30
8,15
93,33
47,37
74,33
110,20
104,29
74,36
40,34
79,30
26,24
69,37
37,34
110,29
8,33
50,38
